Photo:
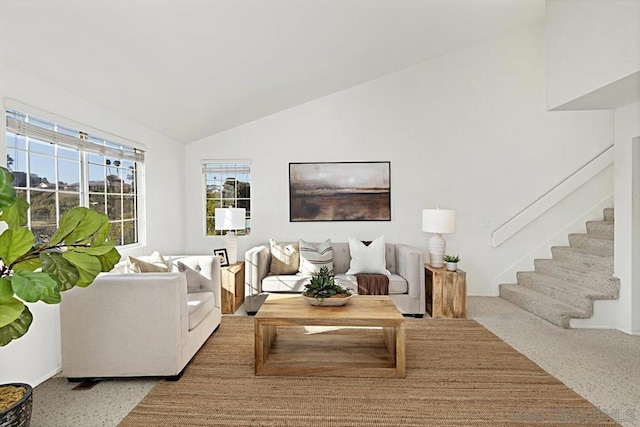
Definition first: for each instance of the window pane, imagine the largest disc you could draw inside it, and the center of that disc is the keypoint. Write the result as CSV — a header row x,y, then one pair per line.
x,y
96,202
129,207
96,178
68,175
96,159
38,146
115,234
42,174
43,214
129,177
114,183
68,201
129,232
16,160
114,206
15,141
41,123
68,153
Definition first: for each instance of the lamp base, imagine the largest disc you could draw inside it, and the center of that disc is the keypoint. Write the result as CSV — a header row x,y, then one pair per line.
x,y
231,243
437,247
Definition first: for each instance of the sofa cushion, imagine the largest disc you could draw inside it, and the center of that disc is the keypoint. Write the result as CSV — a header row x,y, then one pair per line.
x,y
397,284
285,259
312,258
285,283
367,259
199,305
193,277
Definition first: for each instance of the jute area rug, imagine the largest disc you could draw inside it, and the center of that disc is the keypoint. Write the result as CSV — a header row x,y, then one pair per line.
x,y
458,373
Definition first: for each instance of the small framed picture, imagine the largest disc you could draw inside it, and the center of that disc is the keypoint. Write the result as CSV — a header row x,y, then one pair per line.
x,y
222,254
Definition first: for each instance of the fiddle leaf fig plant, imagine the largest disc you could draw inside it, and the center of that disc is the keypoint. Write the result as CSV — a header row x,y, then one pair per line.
x,y
30,271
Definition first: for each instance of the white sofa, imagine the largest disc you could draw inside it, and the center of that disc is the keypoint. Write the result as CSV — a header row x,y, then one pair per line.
x,y
140,324
405,263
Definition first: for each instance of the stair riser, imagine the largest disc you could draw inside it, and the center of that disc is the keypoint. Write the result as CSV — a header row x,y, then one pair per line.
x,y
593,281
534,308
600,228
608,214
594,262
556,292
583,241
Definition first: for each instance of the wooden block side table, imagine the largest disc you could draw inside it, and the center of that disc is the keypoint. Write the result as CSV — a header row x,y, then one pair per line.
x,y
232,278
446,292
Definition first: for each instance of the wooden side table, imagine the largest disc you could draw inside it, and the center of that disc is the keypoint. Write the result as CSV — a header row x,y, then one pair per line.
x,y
446,292
232,278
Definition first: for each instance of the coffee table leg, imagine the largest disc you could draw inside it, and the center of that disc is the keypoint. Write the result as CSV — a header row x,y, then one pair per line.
x,y
264,337
401,361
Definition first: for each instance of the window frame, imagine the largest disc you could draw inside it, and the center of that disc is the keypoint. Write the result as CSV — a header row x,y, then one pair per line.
x,y
70,135
225,166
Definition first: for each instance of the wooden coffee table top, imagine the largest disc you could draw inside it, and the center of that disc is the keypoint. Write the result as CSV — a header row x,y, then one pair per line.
x,y
359,311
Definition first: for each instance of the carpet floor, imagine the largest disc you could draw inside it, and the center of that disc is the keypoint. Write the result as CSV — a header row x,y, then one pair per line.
x,y
458,373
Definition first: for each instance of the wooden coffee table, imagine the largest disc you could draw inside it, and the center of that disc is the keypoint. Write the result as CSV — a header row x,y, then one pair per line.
x,y
358,352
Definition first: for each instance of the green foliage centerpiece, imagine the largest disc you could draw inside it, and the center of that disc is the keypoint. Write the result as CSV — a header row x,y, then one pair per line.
x,y
33,271
322,289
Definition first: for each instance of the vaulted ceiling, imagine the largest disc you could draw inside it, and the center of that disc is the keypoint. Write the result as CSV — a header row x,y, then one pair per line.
x,y
192,68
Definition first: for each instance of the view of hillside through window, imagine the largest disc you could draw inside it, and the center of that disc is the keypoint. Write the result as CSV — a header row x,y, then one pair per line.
x,y
57,168
228,185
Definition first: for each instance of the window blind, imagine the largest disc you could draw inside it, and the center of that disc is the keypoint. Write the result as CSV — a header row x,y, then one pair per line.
x,y
32,130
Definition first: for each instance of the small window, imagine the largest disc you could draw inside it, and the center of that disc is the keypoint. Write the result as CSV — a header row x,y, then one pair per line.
x,y
227,185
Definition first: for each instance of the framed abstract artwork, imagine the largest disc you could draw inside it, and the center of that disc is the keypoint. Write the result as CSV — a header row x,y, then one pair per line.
x,y
340,191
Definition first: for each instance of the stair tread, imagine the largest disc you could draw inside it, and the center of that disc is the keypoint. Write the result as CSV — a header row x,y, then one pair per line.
x,y
559,308
573,287
575,267
590,251
592,236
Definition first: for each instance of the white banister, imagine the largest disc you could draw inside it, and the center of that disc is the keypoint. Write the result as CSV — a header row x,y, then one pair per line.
x,y
553,196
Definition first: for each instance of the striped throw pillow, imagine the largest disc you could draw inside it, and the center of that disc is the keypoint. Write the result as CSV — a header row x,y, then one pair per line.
x,y
314,257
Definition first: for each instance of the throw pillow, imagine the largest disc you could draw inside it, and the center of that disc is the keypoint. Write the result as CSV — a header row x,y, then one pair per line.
x,y
312,258
367,259
157,259
138,266
193,278
284,259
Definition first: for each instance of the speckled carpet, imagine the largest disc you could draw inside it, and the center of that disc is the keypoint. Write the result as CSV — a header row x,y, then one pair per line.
x,y
458,373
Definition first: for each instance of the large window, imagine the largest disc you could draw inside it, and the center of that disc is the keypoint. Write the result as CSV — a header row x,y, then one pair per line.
x,y
57,168
227,185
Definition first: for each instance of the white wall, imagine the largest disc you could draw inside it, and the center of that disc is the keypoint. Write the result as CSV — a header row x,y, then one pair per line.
x,y
36,356
591,44
466,131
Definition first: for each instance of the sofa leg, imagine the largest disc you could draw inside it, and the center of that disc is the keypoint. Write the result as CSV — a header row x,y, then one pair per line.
x,y
177,376
418,315
251,313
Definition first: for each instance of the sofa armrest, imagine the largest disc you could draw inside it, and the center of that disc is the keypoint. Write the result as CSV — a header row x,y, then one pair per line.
x,y
209,268
257,261
411,267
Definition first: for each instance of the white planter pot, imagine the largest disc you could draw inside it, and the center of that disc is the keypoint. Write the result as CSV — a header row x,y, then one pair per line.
x,y
452,266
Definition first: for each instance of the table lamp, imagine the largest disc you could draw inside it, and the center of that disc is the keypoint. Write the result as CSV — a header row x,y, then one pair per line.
x,y
230,219
438,221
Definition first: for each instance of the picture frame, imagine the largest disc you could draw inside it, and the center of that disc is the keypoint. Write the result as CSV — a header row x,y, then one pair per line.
x,y
222,254
340,191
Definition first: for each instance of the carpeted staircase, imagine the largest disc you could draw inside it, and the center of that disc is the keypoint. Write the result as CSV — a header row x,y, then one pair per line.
x,y
565,286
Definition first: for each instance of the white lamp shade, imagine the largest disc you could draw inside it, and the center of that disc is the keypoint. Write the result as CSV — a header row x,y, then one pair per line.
x,y
438,220
230,218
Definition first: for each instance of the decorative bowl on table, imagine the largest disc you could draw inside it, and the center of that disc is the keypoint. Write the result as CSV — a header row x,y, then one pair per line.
x,y
334,301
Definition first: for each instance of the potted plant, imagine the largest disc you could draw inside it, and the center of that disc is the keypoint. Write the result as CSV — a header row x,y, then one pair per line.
x,y
33,270
452,262
322,289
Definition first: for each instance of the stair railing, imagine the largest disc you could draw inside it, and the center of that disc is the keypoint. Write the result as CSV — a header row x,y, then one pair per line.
x,y
545,202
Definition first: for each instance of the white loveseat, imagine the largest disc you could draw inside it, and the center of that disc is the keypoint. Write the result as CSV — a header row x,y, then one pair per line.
x,y
140,324
405,263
